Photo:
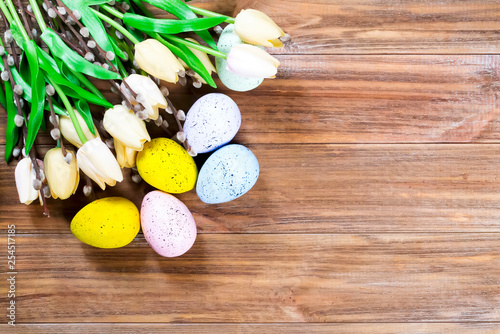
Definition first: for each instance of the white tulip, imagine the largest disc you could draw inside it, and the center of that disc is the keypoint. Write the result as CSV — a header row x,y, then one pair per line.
x,y
152,98
25,175
96,160
251,61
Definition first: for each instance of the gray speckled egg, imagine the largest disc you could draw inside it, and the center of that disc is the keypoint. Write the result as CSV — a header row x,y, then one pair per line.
x,y
212,121
228,173
231,80
167,224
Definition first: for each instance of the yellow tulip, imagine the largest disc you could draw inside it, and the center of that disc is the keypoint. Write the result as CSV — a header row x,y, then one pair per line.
x,y
157,60
203,57
96,160
124,125
69,133
63,178
255,27
125,155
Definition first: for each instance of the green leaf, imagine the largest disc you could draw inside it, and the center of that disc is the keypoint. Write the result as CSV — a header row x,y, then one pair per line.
x,y
73,59
12,133
67,73
182,11
24,68
183,52
16,34
18,79
166,26
2,98
38,94
84,110
69,88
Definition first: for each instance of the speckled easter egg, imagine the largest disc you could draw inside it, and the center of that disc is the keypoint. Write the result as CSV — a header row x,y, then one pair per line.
x,y
227,174
231,80
110,222
166,165
167,224
212,121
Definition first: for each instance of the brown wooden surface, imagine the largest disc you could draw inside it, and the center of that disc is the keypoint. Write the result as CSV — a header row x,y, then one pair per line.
x,y
376,211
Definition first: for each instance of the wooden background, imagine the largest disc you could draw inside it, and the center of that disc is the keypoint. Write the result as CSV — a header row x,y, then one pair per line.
x,y
377,209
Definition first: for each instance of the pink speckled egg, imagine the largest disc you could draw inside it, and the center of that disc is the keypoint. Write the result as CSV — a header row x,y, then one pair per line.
x,y
167,224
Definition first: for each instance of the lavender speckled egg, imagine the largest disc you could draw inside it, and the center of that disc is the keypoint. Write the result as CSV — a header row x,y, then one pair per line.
x,y
231,80
227,174
167,224
212,121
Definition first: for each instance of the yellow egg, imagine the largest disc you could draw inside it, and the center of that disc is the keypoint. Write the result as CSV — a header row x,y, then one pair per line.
x,y
110,222
167,166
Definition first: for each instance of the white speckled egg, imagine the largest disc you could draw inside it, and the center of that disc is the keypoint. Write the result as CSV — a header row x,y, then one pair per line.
x,y
227,174
233,81
167,224
212,121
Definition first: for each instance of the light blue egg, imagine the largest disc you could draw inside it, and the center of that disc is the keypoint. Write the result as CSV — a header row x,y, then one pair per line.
x,y
228,173
233,81
212,121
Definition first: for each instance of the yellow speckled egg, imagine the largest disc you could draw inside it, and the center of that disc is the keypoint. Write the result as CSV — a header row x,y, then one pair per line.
x,y
110,222
167,166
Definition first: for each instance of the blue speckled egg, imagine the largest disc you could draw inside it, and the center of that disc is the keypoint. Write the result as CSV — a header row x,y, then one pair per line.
x,y
227,174
212,121
233,81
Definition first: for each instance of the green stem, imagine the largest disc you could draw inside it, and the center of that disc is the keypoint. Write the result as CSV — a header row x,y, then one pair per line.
x,y
38,15
116,25
70,110
196,46
6,12
207,13
87,83
112,11
17,20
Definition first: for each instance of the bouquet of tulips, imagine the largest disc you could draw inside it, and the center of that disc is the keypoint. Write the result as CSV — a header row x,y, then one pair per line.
x,y
53,51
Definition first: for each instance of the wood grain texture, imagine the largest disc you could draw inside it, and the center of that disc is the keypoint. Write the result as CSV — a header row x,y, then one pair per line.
x,y
371,328
363,99
326,188
368,217
262,278
385,26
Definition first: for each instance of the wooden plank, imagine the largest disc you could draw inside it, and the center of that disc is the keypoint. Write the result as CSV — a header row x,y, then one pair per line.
x,y
262,278
296,328
363,99
324,189
385,26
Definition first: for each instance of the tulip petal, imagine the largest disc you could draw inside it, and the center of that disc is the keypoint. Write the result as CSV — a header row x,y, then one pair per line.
x,y
69,133
96,160
24,176
157,60
256,28
143,85
251,61
123,124
125,155
62,177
